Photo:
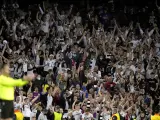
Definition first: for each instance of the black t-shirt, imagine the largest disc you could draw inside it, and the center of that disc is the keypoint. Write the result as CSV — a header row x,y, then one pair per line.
x,y
43,99
38,83
152,83
102,63
63,63
142,84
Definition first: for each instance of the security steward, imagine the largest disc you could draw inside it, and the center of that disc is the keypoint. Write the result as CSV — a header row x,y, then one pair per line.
x,y
116,115
7,85
18,114
156,115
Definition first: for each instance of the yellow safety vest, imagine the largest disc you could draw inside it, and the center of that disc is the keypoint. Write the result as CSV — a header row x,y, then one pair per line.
x,y
57,116
155,117
45,88
117,115
7,85
19,115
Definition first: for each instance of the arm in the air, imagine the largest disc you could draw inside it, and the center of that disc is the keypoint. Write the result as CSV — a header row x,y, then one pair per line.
x,y
8,81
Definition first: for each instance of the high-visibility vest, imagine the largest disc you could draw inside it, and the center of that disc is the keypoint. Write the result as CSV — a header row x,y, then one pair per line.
x,y
117,115
57,116
155,117
7,85
45,88
19,115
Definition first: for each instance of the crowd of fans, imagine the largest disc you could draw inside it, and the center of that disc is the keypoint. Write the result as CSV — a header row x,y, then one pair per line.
x,y
88,65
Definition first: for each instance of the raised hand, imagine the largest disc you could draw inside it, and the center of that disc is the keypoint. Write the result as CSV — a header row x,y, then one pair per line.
x,y
71,6
29,77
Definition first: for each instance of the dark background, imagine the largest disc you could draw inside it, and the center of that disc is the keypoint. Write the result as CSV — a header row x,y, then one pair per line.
x,y
140,3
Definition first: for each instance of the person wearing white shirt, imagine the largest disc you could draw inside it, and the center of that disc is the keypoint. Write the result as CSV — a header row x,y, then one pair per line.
x,y
78,18
44,26
26,109
77,112
106,115
157,48
17,103
133,68
42,116
49,98
21,97
135,43
60,28
93,64
87,116
50,63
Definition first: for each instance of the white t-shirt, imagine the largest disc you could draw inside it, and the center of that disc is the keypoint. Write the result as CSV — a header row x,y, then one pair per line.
x,y
25,67
123,114
18,51
77,114
1,45
49,101
78,19
135,43
26,111
93,63
157,48
37,60
106,116
21,99
44,26
42,117
60,29
87,117
22,26
133,68
14,26
17,105
62,17
132,90
49,64
33,114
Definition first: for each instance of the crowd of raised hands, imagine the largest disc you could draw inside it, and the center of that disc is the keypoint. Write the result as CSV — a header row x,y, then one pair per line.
x,y
87,65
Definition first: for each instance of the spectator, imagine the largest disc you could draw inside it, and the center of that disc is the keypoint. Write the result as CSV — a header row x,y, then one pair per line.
x,y
89,63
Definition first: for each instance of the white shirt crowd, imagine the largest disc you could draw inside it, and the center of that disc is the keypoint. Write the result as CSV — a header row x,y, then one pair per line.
x,y
93,71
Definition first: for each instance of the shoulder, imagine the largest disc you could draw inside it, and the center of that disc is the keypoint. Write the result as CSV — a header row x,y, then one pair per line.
x,y
91,115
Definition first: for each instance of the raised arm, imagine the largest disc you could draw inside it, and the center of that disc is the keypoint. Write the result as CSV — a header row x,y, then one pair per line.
x,y
70,10
127,30
72,22
1,30
57,12
42,12
84,33
112,35
29,21
156,30
156,4
44,7
140,29
36,98
6,21
8,81
4,48
73,105
115,22
37,17
150,33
